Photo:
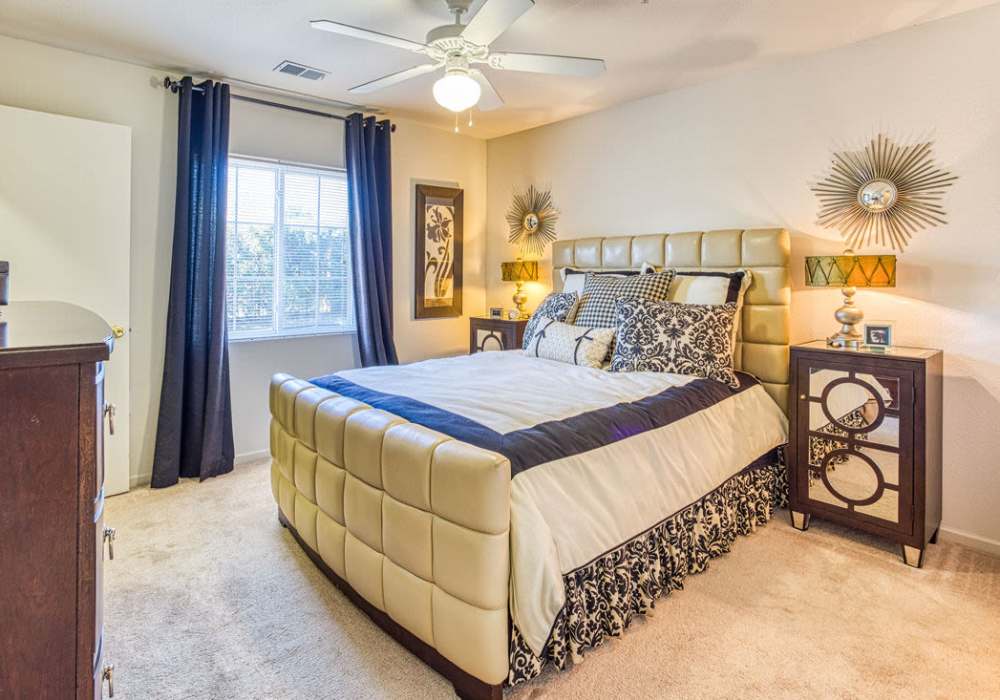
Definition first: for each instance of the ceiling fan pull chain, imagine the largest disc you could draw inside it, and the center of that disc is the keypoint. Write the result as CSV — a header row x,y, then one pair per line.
x,y
470,118
456,122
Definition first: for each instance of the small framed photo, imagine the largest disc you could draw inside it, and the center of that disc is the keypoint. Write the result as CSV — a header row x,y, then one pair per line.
x,y
878,334
496,312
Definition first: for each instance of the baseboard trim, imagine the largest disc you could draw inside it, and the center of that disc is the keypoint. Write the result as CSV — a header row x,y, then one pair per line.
x,y
143,480
981,544
247,457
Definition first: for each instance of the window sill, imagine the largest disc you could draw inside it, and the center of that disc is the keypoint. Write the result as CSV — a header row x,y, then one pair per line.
x,y
295,336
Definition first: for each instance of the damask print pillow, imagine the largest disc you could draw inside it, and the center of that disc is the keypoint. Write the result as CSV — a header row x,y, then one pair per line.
x,y
689,339
557,305
577,345
711,287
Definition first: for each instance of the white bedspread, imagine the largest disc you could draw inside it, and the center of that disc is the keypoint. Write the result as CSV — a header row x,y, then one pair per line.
x,y
566,512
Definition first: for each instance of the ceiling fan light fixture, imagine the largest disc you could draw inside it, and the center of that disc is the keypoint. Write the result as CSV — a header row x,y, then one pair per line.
x,y
457,91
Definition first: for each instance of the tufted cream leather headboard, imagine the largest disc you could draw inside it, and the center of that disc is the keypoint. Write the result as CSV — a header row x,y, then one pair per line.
x,y
762,344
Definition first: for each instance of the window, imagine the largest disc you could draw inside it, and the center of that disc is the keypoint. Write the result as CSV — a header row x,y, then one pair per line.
x,y
288,260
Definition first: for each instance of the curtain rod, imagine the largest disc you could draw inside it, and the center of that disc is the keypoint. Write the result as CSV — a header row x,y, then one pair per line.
x,y
174,86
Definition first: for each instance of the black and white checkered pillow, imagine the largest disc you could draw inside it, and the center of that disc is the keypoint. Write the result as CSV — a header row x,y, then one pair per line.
x,y
597,302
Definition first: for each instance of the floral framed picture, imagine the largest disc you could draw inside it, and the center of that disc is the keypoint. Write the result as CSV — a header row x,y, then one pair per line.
x,y
438,252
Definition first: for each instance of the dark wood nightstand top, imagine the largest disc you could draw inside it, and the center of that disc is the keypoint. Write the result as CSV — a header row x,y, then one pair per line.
x,y
897,352
501,320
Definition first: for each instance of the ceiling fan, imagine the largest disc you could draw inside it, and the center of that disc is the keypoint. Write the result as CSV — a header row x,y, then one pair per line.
x,y
458,47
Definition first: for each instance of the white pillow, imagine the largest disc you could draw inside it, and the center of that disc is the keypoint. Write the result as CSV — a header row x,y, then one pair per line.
x,y
576,345
573,279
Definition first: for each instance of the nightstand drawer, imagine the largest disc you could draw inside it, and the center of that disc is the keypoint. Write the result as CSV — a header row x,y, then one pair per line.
x,y
854,441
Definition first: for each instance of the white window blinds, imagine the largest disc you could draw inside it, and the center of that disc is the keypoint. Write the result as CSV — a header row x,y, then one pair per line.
x,y
288,263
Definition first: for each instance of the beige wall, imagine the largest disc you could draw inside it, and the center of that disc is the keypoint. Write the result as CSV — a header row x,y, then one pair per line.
x,y
38,77
741,152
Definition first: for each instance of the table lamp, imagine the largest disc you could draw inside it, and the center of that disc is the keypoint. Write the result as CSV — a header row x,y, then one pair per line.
x,y
519,272
849,271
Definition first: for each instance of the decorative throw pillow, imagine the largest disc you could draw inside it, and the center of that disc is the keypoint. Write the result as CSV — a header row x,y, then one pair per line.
x,y
557,305
597,302
708,287
690,339
554,340
573,279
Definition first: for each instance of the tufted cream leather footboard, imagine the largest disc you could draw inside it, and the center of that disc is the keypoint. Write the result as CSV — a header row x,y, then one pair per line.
x,y
415,522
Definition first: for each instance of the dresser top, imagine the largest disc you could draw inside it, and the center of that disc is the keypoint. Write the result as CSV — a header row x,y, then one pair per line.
x,y
903,353
33,326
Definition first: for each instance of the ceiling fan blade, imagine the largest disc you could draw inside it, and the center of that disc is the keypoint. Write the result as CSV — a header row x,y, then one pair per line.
x,y
394,78
358,33
489,99
493,19
544,63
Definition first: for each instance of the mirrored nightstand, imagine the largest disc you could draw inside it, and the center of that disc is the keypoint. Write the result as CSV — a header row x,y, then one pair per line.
x,y
495,334
866,441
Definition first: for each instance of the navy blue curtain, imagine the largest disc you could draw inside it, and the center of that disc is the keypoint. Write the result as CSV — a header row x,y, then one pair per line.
x,y
369,186
194,435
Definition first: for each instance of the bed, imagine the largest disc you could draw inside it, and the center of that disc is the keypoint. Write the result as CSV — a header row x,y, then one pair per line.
x,y
494,529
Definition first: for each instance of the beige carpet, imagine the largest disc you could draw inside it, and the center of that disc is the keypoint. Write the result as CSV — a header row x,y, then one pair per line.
x,y
210,598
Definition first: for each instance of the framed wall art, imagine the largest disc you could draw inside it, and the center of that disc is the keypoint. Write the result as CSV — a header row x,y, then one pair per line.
x,y
438,252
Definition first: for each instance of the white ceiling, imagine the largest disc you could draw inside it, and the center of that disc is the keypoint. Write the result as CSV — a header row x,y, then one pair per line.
x,y
650,47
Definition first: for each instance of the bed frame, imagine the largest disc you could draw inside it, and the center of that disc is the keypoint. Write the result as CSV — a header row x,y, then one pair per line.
x,y
414,526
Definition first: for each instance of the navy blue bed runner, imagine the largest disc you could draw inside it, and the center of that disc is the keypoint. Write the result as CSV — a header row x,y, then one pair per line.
x,y
552,440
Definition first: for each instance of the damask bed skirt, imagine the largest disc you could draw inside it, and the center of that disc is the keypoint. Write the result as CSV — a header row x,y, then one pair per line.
x,y
603,596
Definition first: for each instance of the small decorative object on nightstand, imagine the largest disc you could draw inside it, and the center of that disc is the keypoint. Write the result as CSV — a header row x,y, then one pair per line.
x,y
866,441
495,334
519,272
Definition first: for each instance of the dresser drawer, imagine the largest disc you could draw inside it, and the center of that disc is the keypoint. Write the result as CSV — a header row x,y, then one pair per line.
x,y
99,548
99,434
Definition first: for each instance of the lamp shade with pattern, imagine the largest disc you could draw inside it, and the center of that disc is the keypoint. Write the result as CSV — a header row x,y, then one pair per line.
x,y
519,272
849,272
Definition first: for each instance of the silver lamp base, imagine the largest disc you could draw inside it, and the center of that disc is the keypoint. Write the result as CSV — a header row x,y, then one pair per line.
x,y
849,316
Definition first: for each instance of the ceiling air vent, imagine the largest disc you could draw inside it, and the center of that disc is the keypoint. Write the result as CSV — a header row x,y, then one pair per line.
x,y
300,71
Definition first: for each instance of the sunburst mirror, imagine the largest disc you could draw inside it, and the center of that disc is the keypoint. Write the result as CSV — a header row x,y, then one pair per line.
x,y
883,194
532,220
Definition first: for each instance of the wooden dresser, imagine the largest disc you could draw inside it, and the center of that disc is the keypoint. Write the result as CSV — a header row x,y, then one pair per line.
x,y
52,532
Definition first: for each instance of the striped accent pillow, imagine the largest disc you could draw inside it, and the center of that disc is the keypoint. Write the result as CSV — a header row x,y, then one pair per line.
x,y
597,302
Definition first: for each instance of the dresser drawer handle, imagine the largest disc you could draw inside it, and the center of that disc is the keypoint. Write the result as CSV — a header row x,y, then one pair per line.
x,y
109,675
109,411
109,536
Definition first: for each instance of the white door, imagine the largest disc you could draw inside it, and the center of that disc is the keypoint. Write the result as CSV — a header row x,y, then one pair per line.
x,y
65,209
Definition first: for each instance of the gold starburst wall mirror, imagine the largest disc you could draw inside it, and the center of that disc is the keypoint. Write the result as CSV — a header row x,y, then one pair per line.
x,y
883,194
532,220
